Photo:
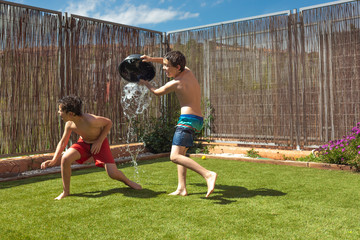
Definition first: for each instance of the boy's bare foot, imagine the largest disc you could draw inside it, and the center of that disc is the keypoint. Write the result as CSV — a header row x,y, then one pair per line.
x,y
134,185
179,192
210,181
61,196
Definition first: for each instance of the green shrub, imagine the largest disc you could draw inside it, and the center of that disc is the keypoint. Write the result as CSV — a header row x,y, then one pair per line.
x,y
159,134
344,151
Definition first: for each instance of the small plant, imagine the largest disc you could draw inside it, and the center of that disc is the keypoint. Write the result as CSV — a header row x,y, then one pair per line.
x,y
252,153
208,117
309,158
289,158
199,147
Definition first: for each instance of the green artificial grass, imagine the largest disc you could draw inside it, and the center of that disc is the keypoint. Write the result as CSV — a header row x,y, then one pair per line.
x,y
251,201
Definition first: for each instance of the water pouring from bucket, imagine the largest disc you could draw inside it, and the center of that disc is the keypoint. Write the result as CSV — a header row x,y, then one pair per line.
x,y
135,98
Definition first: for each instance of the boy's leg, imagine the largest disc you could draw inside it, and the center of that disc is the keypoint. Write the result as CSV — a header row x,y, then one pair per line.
x,y
181,171
67,159
116,174
176,157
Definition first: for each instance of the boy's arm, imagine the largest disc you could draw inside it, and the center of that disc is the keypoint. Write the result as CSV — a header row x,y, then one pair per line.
x,y
146,58
167,88
106,125
59,149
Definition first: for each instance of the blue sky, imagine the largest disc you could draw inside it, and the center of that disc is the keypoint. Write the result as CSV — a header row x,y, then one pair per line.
x,y
170,15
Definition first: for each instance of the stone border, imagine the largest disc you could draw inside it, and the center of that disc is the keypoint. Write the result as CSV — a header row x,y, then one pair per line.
x,y
16,166
74,167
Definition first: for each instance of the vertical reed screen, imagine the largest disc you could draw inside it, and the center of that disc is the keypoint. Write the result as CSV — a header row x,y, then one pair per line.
x,y
29,79
330,60
244,70
45,56
289,80
285,80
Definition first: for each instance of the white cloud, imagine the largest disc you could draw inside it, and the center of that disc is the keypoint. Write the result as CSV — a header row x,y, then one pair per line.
x,y
127,13
187,15
134,15
19,1
217,2
83,8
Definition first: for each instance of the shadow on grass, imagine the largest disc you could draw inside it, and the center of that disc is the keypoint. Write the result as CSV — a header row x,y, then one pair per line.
x,y
50,176
128,192
224,194
75,172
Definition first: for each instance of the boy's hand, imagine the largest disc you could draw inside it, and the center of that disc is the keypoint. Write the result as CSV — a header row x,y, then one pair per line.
x,y
96,146
145,83
46,164
145,58
141,82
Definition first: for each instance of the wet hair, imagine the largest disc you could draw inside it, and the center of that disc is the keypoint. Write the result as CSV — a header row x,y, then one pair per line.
x,y
71,104
176,58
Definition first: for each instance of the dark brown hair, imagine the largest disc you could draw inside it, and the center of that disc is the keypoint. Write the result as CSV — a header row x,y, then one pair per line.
x,y
71,104
176,58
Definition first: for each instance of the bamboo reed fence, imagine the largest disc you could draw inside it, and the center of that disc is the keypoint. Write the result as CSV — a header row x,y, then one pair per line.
x,y
29,78
287,79
45,56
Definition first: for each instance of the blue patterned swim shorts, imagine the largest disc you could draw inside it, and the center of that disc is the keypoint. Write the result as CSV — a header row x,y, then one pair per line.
x,y
193,122
185,129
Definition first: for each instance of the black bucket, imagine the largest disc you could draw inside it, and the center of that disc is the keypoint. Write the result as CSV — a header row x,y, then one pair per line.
x,y
132,69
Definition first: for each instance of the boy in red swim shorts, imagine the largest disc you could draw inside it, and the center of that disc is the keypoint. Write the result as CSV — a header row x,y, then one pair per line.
x,y
92,130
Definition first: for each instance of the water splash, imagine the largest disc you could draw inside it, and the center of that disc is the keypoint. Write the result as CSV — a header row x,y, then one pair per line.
x,y
135,101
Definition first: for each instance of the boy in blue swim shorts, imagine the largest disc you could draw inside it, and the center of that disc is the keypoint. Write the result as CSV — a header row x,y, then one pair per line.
x,y
186,127
188,92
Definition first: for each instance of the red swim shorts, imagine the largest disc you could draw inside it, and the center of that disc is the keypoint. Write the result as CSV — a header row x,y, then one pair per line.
x,y
104,155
